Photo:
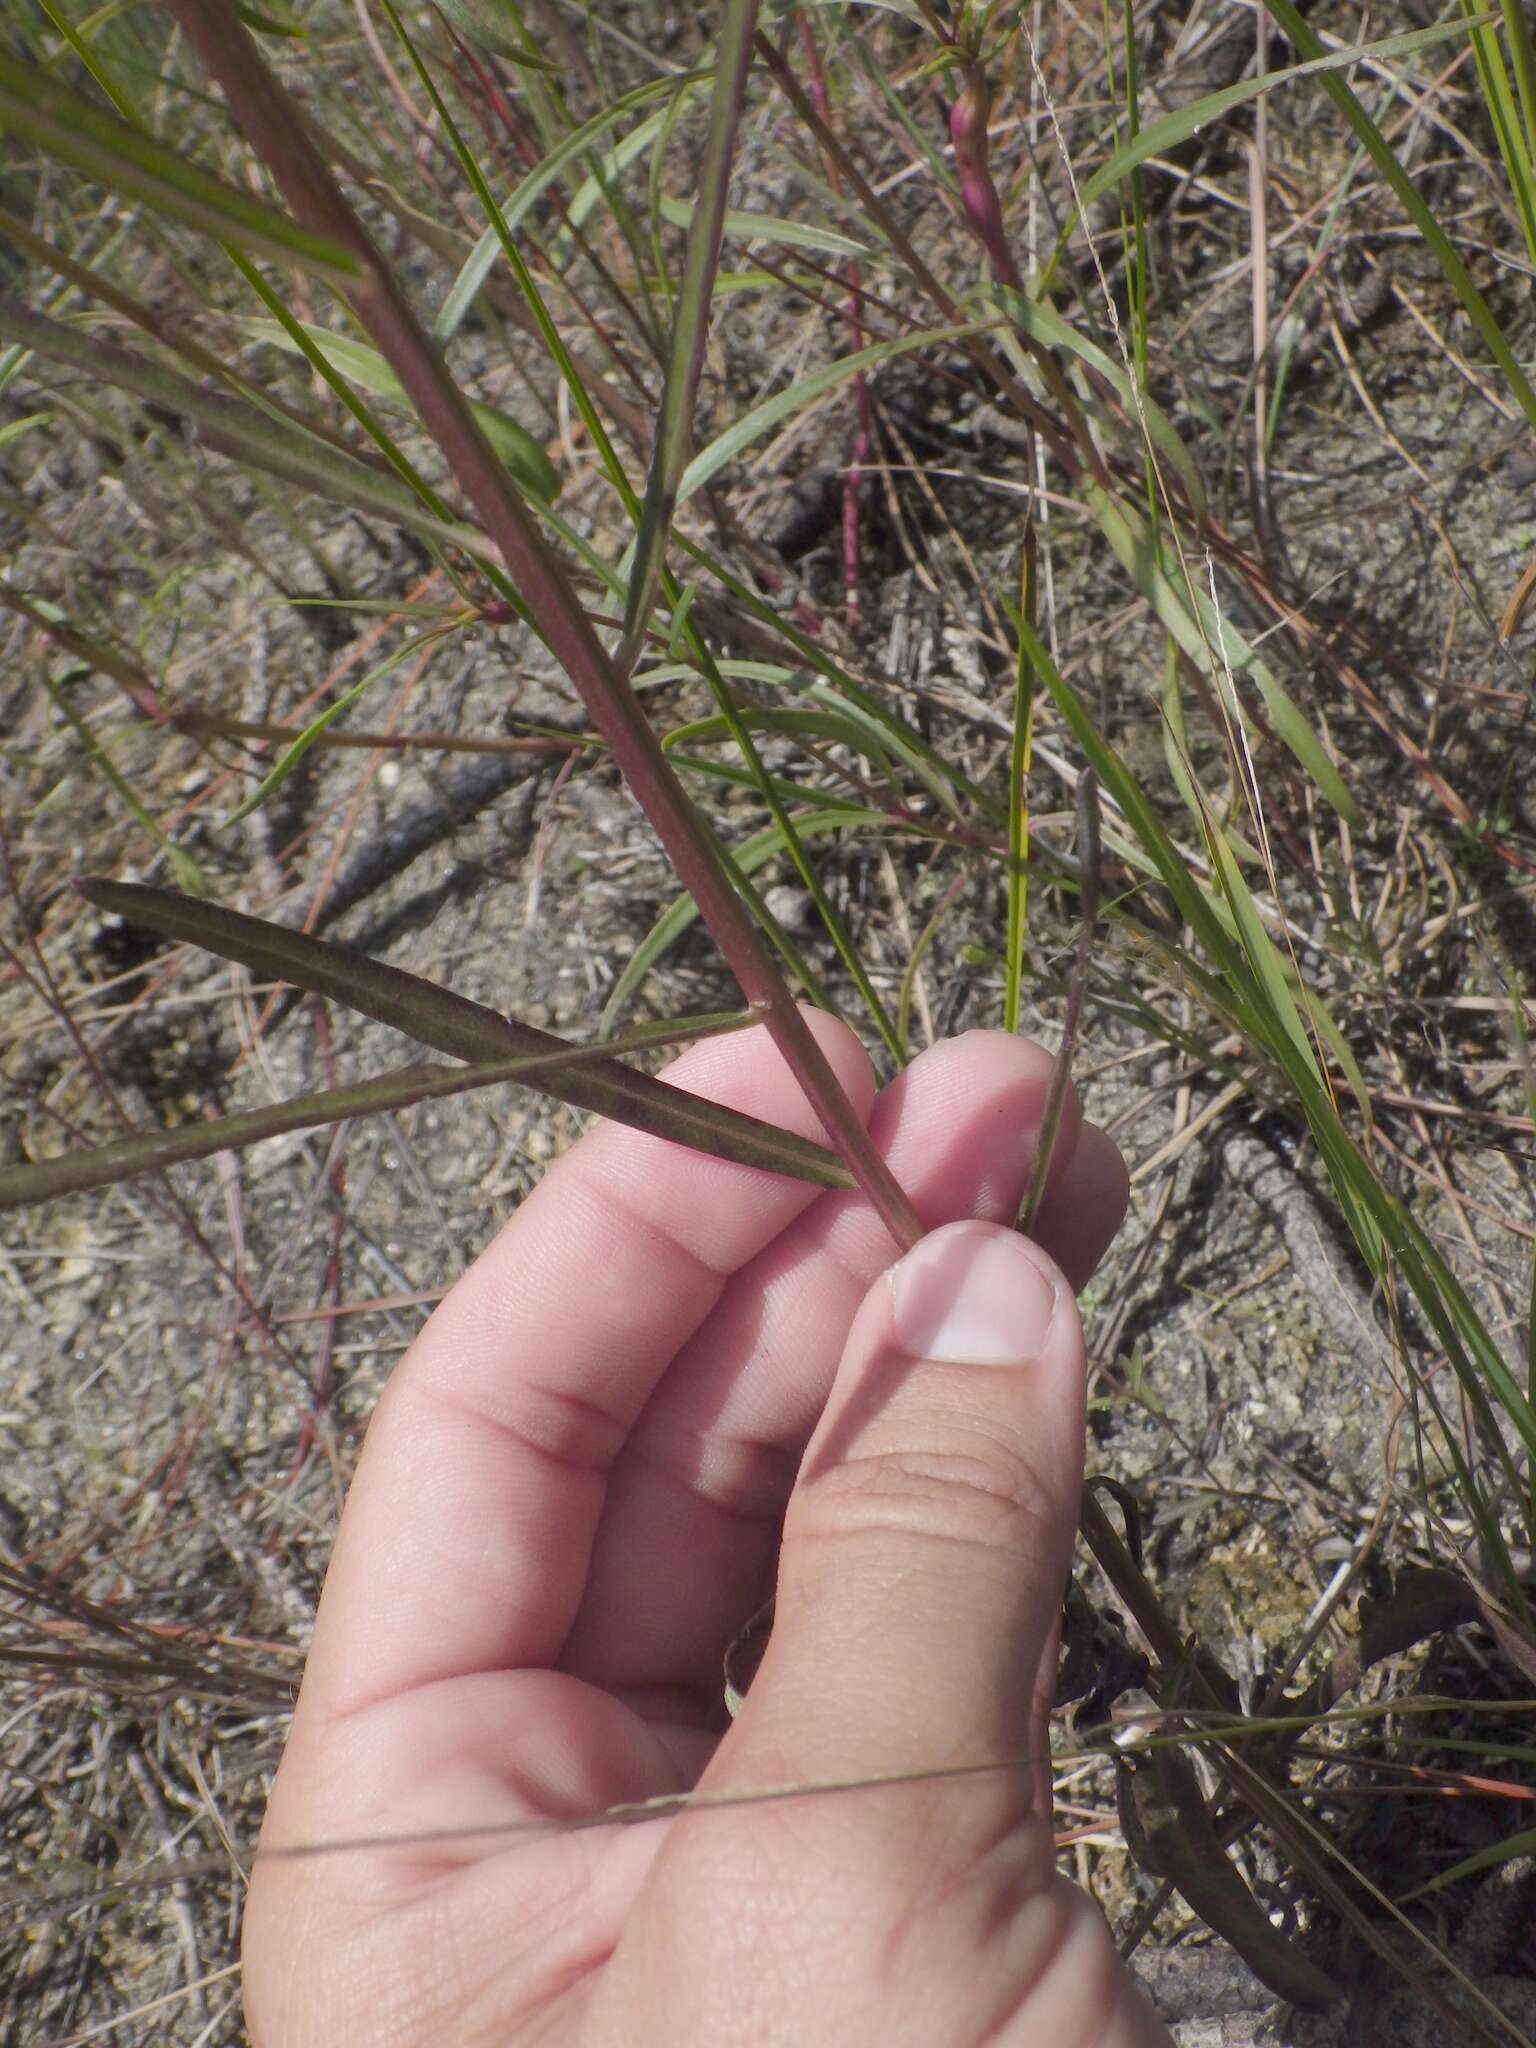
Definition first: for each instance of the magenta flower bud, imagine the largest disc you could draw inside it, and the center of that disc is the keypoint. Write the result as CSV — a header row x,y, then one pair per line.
x,y
978,194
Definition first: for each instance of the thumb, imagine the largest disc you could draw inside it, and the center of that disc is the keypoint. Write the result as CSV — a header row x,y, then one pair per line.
x,y
929,1536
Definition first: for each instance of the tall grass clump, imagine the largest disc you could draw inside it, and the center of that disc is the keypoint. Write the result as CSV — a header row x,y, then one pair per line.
x,y
465,283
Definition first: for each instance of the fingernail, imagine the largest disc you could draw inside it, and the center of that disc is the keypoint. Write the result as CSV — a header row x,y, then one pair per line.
x,y
972,1294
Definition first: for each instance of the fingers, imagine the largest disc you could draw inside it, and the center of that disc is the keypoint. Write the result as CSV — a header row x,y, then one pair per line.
x,y
1086,1200
928,1539
465,1542
691,1523
924,1553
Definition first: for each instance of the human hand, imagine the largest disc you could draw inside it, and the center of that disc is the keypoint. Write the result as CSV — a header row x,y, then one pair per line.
x,y
668,1382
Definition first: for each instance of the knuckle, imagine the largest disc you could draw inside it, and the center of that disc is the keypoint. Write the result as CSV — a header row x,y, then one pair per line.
x,y
965,1487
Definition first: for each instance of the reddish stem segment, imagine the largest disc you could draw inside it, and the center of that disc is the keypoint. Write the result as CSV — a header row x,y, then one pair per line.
x,y
278,133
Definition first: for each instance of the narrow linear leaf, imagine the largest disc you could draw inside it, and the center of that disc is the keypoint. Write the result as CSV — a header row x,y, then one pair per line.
x,y
465,288
242,432
600,185
294,753
469,1031
1522,1844
747,859
1166,133
75,131
99,1166
1020,760
1040,322
825,725
876,730
740,435
951,786
767,227
524,457
1263,955
1213,643
181,863
486,26
1393,1245
1144,822
1381,153
15,429
268,116
690,324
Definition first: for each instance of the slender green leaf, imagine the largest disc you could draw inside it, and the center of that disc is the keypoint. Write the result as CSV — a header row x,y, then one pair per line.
x,y
825,725
487,26
81,46
267,115
99,1166
1263,955
14,430
524,457
182,865
1506,1851
951,786
746,859
265,440
466,287
783,405
294,753
1184,123
295,335
765,227
1392,1243
1412,201
1505,115
469,1031
690,325
1020,759
1040,322
73,130
1213,642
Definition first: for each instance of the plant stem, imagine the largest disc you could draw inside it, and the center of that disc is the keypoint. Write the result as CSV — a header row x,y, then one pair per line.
x,y
278,134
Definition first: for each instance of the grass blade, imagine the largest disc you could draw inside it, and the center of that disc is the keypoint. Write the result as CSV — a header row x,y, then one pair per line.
x,y
477,267
1020,754
1381,153
783,405
242,432
277,131
524,457
690,324
294,753
1170,130
99,1166
73,130
747,859
452,1024
1213,643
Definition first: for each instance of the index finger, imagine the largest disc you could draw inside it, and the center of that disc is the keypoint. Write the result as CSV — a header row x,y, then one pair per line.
x,y
465,1541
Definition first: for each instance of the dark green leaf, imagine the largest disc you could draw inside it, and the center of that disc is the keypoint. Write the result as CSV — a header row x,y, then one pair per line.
x,y
452,1024
98,1166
